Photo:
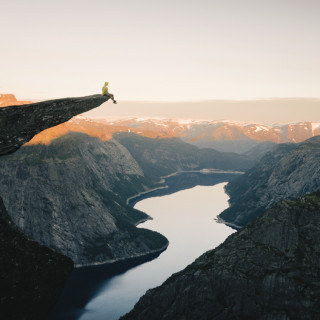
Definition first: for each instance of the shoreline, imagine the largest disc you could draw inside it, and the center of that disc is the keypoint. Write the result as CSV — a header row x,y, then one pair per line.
x,y
143,193
93,275
162,180
229,224
111,262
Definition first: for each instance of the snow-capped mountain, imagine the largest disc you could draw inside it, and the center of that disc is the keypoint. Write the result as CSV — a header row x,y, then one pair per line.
x,y
223,135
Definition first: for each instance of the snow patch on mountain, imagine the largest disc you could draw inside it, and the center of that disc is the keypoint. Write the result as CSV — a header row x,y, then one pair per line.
x,y
315,125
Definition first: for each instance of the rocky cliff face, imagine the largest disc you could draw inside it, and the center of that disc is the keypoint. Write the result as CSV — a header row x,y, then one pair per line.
x,y
31,275
71,196
160,157
288,171
257,152
10,100
268,270
18,124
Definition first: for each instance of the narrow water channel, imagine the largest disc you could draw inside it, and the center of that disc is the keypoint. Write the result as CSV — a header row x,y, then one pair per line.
x,y
186,218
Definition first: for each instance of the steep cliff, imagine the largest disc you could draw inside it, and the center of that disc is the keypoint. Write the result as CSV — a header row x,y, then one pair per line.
x,y
18,124
288,171
71,196
159,157
268,270
31,275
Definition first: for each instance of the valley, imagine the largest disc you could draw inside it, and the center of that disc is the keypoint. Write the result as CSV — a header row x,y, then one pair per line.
x,y
71,188
173,216
160,160
267,270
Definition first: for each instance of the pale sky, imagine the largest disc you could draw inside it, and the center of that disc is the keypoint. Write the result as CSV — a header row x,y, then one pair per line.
x,y
267,111
169,50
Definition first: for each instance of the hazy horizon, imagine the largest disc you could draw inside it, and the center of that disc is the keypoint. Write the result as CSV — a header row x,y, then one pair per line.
x,y
170,50
267,111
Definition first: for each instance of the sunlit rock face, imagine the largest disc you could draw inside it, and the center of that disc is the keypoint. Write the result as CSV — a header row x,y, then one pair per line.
x,y
224,135
10,100
267,270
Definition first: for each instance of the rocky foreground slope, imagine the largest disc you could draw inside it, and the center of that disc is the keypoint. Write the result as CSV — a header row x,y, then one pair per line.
x,y
270,269
287,171
32,276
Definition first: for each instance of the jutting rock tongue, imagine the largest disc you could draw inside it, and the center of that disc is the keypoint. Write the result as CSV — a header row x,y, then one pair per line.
x,y
18,124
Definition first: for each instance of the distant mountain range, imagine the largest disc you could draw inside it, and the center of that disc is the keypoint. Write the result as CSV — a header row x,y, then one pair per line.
x,y
68,188
223,135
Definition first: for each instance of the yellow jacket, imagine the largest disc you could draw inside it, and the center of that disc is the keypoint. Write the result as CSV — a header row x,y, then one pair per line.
x,y
105,90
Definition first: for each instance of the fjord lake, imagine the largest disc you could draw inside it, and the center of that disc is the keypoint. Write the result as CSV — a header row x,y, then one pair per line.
x,y
187,219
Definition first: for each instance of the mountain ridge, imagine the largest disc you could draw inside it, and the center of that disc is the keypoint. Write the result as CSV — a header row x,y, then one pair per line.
x,y
287,171
222,135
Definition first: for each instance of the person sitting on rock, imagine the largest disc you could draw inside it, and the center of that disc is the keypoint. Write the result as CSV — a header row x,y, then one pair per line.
x,y
105,92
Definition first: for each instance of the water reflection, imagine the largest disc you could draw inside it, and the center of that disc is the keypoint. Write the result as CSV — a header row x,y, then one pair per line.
x,y
186,218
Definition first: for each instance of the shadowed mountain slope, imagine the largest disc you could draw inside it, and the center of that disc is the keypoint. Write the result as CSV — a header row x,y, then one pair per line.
x,y
268,270
71,196
31,275
160,157
287,171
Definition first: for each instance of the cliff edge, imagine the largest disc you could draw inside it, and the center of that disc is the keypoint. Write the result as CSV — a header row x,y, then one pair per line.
x,y
32,275
18,124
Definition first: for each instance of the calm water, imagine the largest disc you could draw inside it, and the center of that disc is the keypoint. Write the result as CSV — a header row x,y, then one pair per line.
x,y
186,218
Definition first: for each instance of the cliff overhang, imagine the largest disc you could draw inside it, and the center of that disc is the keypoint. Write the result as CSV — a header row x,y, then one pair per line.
x,y
18,124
